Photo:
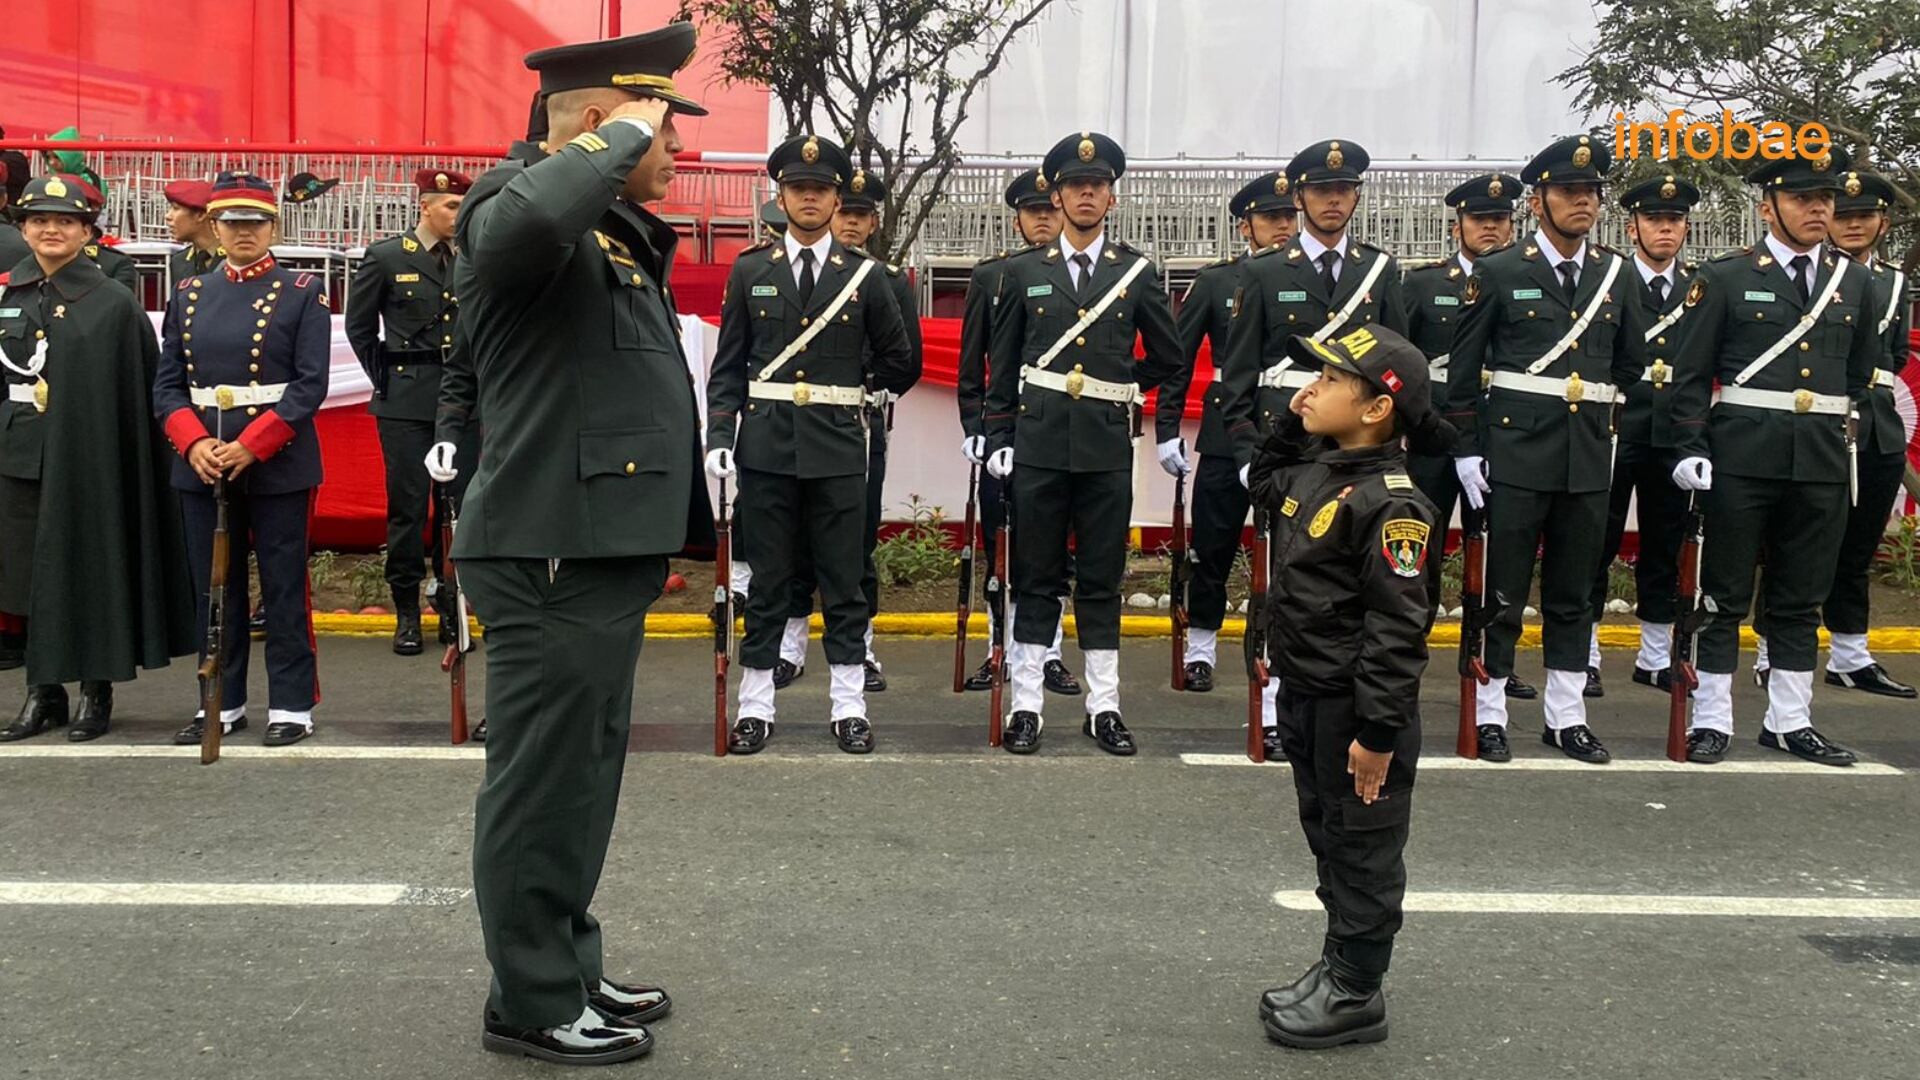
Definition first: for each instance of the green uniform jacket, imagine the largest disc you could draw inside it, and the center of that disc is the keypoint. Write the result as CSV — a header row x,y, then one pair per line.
x,y
454,412
1647,418
110,590
1881,431
1038,304
593,442
1282,296
865,347
976,341
1431,296
909,306
1206,314
13,246
189,261
400,285
1516,311
1744,302
117,265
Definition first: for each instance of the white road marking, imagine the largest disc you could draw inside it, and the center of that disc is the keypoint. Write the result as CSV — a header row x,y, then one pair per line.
x,y
224,894
1637,765
1782,907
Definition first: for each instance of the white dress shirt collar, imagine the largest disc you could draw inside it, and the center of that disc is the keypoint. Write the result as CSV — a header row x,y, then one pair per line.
x,y
819,247
1648,273
1786,255
1311,244
1554,258
1067,250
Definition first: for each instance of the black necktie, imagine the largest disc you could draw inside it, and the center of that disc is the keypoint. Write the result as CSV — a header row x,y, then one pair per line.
x,y
1082,270
1328,260
443,254
1659,287
806,276
1569,273
1800,266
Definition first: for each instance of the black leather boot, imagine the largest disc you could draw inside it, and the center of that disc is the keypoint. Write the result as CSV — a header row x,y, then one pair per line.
x,y
406,624
46,707
96,712
1330,1012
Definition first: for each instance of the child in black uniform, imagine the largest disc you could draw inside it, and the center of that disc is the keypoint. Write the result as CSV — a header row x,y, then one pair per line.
x,y
1353,544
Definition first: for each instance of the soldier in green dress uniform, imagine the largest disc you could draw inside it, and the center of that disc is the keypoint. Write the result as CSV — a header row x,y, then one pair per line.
x,y
192,227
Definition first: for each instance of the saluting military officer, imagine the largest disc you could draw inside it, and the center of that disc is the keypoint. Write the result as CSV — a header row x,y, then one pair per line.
x,y
1786,328
807,327
1037,221
853,225
1061,401
1267,217
191,226
1643,464
1482,224
243,368
588,482
1551,331
404,286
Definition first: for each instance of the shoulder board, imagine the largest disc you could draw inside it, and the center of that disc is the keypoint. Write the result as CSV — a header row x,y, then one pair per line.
x,y
1425,266
1271,249
1372,247
183,284
1606,249
1036,249
761,246
1690,265
1128,248
991,259
1397,481
301,281
1228,261
856,253
1736,253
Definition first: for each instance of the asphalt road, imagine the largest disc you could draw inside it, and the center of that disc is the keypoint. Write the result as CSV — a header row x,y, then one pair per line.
x,y
942,910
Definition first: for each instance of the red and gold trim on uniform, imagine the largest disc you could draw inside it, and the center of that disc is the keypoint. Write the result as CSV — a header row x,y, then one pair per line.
x,y
266,435
254,270
184,428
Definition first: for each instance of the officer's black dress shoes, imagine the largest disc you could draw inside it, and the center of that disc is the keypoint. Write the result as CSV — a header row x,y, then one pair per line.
x,y
1492,740
1110,734
1328,1013
590,1040
1520,689
1059,680
257,623
95,714
286,733
1661,680
479,733
854,734
1282,996
46,707
748,735
1809,745
1706,747
983,678
784,673
1199,677
406,634
1873,679
637,1004
1271,745
876,679
1579,743
190,735
1594,688
1022,733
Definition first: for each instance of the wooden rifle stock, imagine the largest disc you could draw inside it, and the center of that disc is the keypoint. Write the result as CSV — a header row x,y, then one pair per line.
x,y
1475,614
1682,678
454,663
213,665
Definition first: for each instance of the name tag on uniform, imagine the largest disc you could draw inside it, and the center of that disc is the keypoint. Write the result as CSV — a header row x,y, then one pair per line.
x,y
406,277
9,312
1039,290
1526,294
1762,296
1291,296
766,290
1446,301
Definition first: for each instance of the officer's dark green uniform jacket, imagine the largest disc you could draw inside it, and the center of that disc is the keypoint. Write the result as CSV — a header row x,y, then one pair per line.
x,y
116,265
592,443
760,314
401,284
1431,295
1881,431
1205,315
1743,302
1647,417
976,338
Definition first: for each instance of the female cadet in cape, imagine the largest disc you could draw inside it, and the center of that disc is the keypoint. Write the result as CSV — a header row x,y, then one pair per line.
x,y
1351,553
91,554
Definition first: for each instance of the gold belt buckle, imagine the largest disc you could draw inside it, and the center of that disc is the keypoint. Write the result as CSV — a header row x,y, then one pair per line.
x,y
1486,380
802,393
223,397
1661,372
1576,389
40,392
1803,401
1076,382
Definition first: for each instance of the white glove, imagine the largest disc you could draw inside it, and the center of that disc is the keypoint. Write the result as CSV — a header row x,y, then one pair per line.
x,y
1472,472
1246,471
1000,463
1693,474
720,463
440,463
974,449
1173,456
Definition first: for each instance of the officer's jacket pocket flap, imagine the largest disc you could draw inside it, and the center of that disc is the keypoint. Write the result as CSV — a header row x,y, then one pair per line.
x,y
623,452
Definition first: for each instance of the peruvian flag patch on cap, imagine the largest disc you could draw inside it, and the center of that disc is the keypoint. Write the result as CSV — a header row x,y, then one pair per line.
x,y
1392,380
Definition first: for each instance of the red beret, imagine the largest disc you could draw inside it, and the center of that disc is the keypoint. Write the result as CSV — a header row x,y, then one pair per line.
x,y
441,182
192,194
86,188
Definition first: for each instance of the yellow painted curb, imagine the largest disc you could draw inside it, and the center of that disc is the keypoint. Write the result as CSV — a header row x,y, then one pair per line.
x,y
938,624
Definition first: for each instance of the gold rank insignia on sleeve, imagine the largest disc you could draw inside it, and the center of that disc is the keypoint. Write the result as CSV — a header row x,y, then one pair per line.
x,y
1397,481
589,141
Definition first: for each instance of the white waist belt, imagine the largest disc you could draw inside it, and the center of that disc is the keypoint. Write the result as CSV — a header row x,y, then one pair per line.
x,y
1572,388
800,393
237,397
1792,401
880,399
21,392
1078,384
1883,377
1286,378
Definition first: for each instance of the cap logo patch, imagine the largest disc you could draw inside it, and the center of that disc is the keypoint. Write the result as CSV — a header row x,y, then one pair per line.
x,y
1280,185
56,189
810,152
1335,158
1668,190
1582,157
859,181
1853,184
1040,182
1359,343
1494,188
1086,149
1821,163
